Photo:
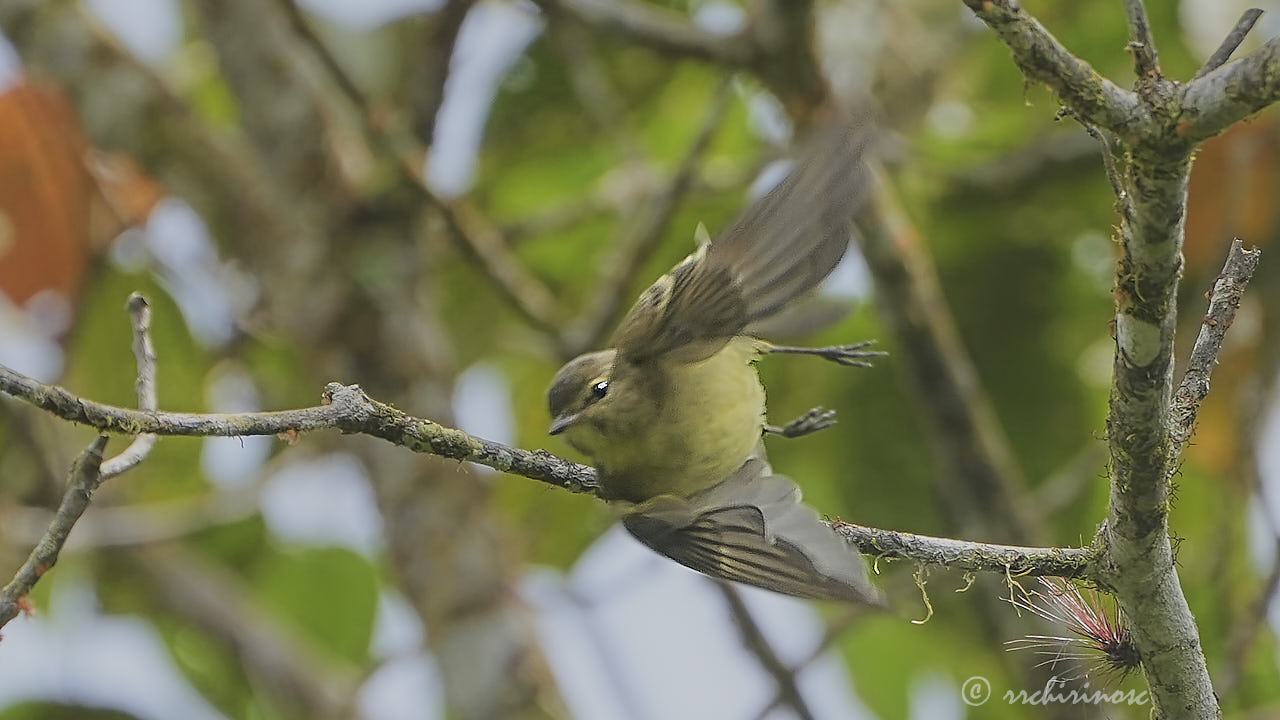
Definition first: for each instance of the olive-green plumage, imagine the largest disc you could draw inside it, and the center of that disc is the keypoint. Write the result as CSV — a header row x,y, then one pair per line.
x,y
672,414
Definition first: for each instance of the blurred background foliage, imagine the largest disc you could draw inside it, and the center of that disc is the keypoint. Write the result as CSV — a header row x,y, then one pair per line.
x,y
204,154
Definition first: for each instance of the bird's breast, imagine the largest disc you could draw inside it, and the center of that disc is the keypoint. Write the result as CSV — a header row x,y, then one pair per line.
x,y
703,421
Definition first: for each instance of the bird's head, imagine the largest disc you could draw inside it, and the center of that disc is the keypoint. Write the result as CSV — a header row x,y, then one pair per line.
x,y
578,388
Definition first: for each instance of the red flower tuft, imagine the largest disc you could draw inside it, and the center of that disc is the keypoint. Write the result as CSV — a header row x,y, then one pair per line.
x,y
1099,639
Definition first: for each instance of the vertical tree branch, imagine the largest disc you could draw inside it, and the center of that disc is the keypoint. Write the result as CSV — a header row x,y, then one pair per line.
x,y
1146,62
1139,557
968,439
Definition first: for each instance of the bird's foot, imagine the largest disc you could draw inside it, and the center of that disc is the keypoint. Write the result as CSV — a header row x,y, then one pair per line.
x,y
810,422
855,355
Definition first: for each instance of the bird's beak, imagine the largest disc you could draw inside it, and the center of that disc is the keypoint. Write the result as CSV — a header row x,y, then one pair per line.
x,y
562,423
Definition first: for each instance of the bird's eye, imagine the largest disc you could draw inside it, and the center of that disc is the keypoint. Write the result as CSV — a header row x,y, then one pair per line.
x,y
600,389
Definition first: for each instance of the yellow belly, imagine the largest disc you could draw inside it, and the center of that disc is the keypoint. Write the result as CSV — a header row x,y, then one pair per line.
x,y
707,423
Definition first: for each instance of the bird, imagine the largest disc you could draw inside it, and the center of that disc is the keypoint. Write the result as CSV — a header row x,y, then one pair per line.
x,y
672,415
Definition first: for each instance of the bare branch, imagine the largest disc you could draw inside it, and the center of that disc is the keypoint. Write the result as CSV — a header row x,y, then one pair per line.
x,y
1219,99
1230,42
1042,58
83,480
1224,300
140,315
1146,62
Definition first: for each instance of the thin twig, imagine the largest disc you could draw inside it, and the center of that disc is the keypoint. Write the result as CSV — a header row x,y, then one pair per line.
x,y
1224,300
82,481
1146,62
484,241
1114,175
1230,42
140,315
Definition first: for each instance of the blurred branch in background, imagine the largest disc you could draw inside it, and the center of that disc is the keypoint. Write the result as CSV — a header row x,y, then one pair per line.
x,y
639,240
314,682
753,638
657,28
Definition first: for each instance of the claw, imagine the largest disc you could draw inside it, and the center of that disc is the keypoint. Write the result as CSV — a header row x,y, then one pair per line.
x,y
854,355
810,422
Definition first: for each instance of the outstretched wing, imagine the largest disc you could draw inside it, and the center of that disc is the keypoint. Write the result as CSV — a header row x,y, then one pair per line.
x,y
782,245
753,529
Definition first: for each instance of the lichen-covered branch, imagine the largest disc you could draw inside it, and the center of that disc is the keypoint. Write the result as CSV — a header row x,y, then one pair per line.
x,y
90,470
966,555
1216,101
347,408
1224,301
1042,58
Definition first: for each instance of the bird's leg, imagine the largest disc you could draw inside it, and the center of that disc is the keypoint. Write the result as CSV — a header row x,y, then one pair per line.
x,y
810,422
854,355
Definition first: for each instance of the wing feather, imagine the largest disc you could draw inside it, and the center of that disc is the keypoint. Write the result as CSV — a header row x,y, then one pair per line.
x,y
778,248
752,528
